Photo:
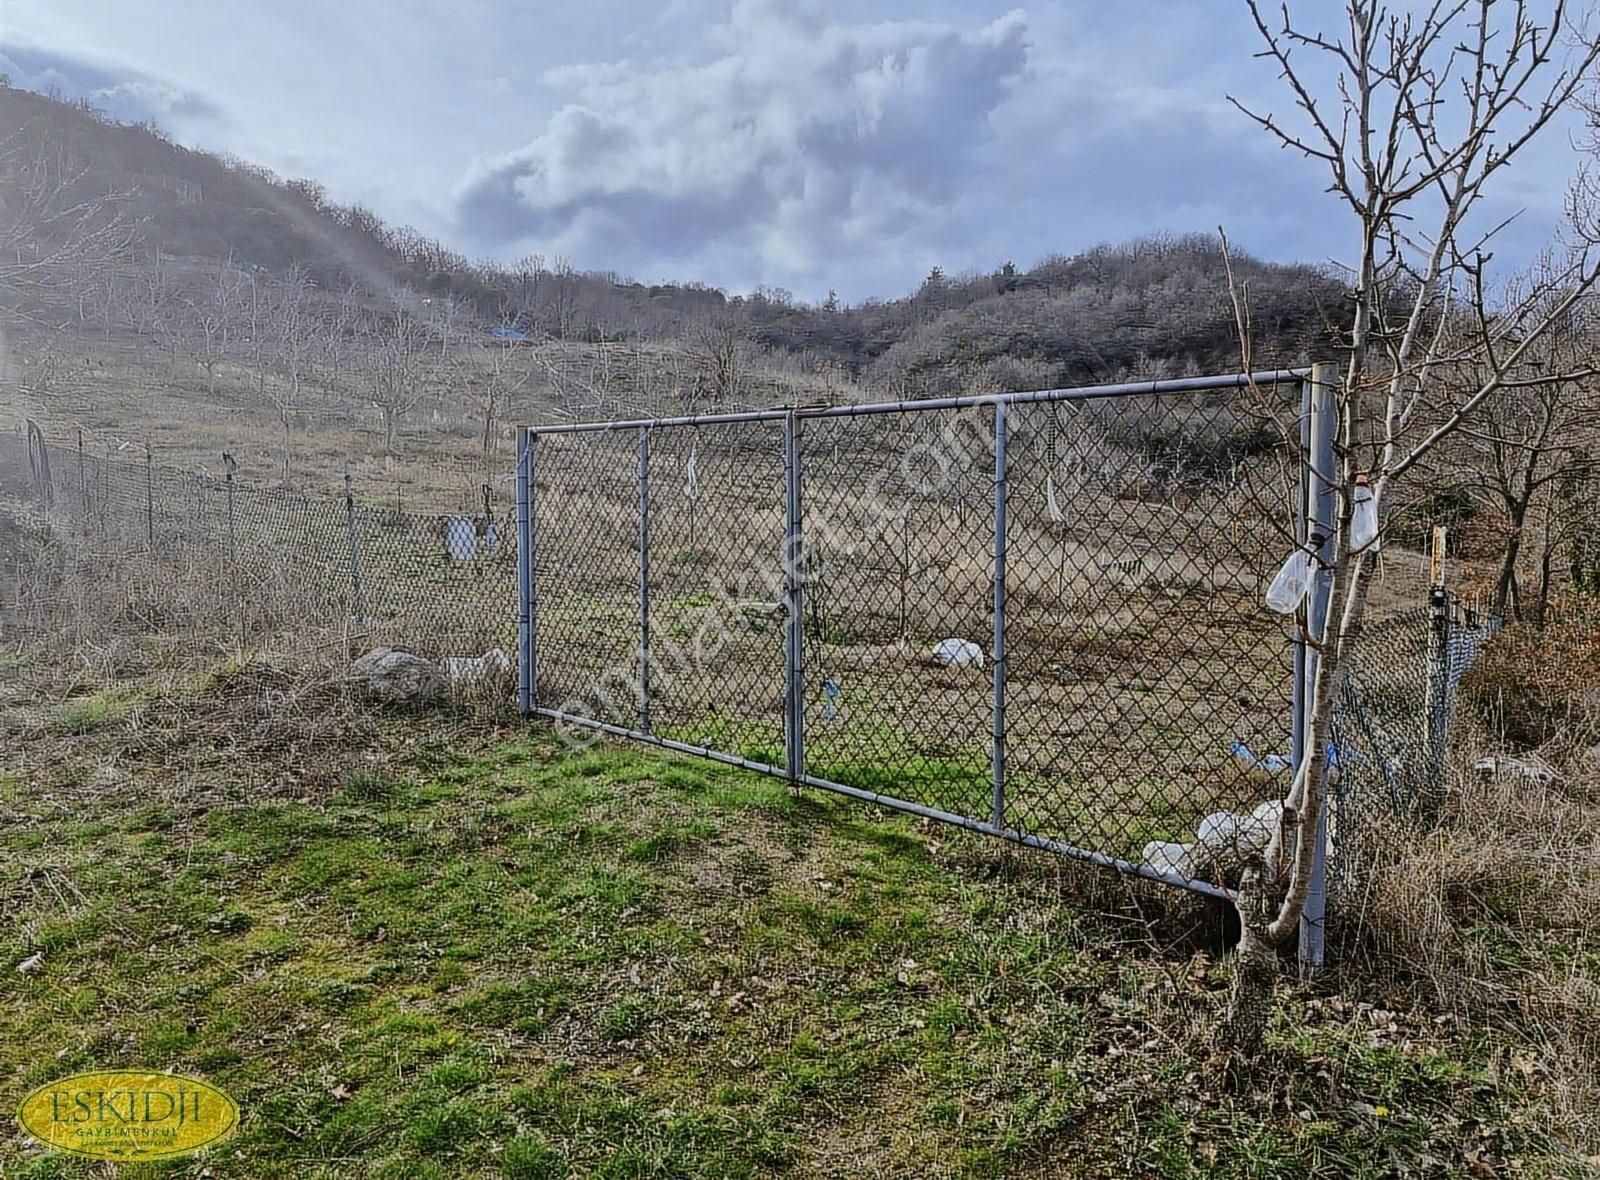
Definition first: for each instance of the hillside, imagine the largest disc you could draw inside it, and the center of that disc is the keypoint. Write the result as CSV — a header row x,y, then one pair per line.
x,y
1150,307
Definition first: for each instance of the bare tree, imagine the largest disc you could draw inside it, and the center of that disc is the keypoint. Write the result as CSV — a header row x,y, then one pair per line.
x,y
719,347
1517,450
396,343
147,304
510,369
447,314
519,303
51,228
215,311
562,282
295,340
256,314
1413,113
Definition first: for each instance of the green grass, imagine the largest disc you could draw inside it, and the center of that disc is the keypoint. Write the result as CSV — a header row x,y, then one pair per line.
x,y
520,961
101,710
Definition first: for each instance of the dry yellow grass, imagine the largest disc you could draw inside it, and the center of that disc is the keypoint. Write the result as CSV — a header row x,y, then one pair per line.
x,y
1492,915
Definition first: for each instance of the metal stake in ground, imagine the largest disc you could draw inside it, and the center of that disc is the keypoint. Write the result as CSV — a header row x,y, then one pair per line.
x,y
1436,712
527,684
356,597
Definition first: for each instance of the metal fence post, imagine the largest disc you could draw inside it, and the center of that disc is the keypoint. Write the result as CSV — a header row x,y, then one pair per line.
x,y
1323,515
149,498
527,682
103,507
229,467
357,598
793,605
998,750
1301,702
644,578
1436,688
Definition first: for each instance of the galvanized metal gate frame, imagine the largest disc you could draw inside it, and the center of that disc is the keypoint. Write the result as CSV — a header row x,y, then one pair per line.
x,y
1315,526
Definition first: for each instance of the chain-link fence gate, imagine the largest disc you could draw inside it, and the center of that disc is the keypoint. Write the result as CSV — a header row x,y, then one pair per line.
x,y
1034,615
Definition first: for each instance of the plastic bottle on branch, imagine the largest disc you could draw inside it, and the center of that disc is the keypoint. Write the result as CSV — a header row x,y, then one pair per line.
x,y
1288,589
1364,516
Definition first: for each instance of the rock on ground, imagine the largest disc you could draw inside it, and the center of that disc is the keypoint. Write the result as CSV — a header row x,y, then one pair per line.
x,y
391,677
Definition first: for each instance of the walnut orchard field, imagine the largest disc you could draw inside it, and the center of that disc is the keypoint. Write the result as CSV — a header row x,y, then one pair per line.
x,y
455,951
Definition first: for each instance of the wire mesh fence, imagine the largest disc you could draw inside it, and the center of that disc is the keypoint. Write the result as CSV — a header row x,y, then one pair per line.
x,y
1039,616
442,584
1036,616
1391,730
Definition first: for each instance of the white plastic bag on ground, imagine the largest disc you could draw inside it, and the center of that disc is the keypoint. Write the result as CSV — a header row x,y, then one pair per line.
x,y
957,653
465,670
1169,856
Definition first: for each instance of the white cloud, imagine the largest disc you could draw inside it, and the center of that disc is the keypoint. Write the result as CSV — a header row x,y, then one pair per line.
x,y
121,92
801,143
794,142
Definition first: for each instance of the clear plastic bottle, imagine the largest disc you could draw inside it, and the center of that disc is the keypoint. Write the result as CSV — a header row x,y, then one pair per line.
x,y
1364,516
1289,587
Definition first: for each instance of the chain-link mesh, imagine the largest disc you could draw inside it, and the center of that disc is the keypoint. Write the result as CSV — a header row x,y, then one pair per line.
x,y
1147,686
1391,727
1144,687
586,575
898,521
715,505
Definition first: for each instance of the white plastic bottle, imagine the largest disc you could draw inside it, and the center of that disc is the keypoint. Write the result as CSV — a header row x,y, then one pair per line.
x,y
1364,516
1289,587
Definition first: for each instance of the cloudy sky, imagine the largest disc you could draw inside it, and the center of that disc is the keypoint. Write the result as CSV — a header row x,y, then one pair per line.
x,y
807,144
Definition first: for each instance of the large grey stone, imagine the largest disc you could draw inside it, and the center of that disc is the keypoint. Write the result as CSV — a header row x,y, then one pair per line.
x,y
392,677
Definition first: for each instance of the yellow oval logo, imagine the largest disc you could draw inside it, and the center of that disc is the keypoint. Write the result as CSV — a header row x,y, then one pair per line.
x,y
129,1114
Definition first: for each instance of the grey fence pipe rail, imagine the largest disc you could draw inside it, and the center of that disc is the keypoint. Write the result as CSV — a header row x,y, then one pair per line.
x,y
527,614
1300,704
644,578
794,604
1175,385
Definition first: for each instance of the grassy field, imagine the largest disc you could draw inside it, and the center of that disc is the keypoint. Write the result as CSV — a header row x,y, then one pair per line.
x,y
439,945
433,947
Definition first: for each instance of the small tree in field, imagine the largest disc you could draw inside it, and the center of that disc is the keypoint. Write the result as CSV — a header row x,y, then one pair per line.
x,y
1414,112
396,344
293,351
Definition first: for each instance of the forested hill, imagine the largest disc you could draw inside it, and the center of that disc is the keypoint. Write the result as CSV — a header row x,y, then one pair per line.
x,y
1151,307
